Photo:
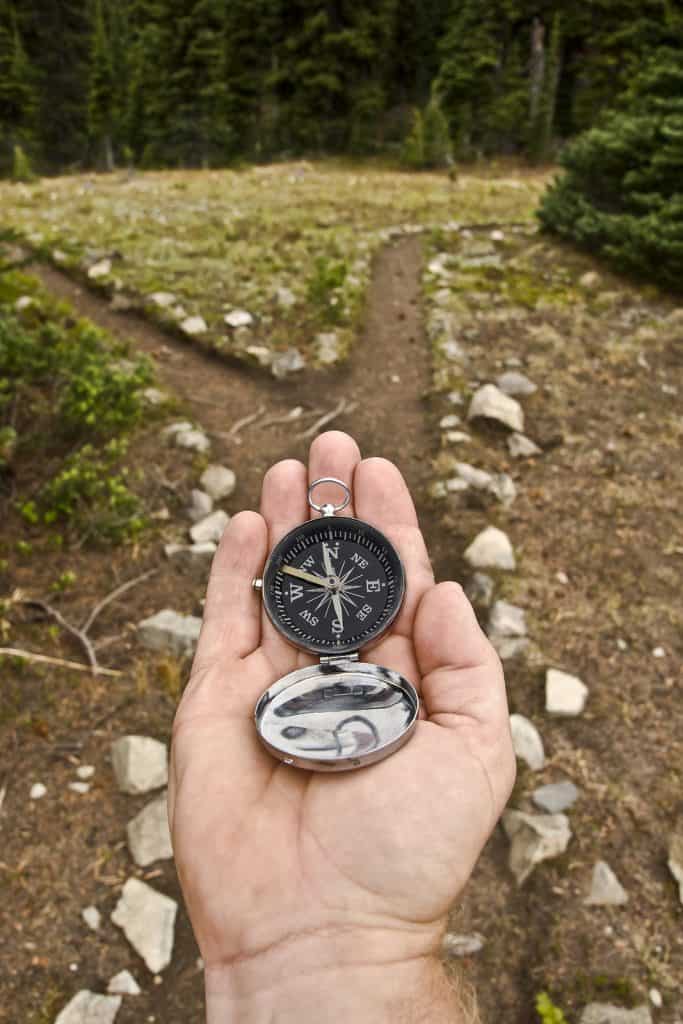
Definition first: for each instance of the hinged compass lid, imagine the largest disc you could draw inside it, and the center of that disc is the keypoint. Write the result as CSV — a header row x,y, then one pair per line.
x,y
338,715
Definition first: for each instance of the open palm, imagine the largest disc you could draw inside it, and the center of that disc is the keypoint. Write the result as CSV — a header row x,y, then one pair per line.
x,y
274,859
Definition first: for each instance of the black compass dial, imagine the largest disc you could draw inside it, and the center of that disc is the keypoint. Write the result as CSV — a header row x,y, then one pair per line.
x,y
333,585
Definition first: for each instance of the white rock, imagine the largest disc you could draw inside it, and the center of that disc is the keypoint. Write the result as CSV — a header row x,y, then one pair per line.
x,y
89,1008
92,917
100,269
656,998
140,763
527,742
80,787
521,447
556,796
124,984
239,318
605,1013
85,771
201,504
37,791
534,838
153,396
263,355
169,432
509,647
455,485
658,652
507,620
502,487
285,297
457,437
480,589
149,838
454,397
462,945
23,302
564,694
491,403
606,889
590,281
200,552
497,236
194,440
218,481
287,362
491,549
211,528
562,578
514,383
170,631
163,299
453,350
450,421
474,477
327,348
58,256
193,325
675,860
147,918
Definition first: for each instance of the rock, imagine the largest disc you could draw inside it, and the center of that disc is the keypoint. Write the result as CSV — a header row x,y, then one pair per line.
x,y
507,620
527,742
327,348
564,694
218,481
457,437
210,529
514,383
153,396
58,256
534,838
140,764
450,421
606,889
656,998
556,796
239,318
147,918
454,397
658,652
23,302
261,354
163,299
497,236
37,791
89,1008
149,838
590,281
170,632
287,362
92,917
198,552
605,1013
285,297
124,984
194,440
170,432
437,266
675,860
201,505
79,787
99,269
502,487
509,647
521,447
193,325
479,590
462,945
453,350
477,478
491,549
491,403
438,490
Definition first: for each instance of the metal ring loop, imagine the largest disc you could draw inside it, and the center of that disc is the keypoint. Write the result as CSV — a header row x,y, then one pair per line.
x,y
329,480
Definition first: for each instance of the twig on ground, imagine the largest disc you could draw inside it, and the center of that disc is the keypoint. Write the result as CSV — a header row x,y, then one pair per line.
x,y
78,666
342,406
82,637
85,628
232,434
296,413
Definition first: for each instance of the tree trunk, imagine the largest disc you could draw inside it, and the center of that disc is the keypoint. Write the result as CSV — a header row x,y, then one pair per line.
x,y
536,69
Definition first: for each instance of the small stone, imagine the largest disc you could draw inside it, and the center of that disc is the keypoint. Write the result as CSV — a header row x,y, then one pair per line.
x,y
239,318
169,432
99,269
462,945
58,256
455,398
556,796
450,421
656,998
327,348
507,620
606,889
509,647
201,505
163,299
218,481
605,1013
92,917
287,362
140,764
149,838
193,325
79,787
534,838
502,487
514,383
124,984
562,578
659,652
621,644
491,549
590,281
438,490
491,403
480,588
527,742
89,1008
85,771
497,236
23,302
211,528
564,694
285,297
457,437
521,447
194,440
675,861
171,632
37,791
263,355
453,350
473,477
153,396
147,918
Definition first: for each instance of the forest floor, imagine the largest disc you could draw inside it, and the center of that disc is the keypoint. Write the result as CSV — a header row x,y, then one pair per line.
x,y
452,285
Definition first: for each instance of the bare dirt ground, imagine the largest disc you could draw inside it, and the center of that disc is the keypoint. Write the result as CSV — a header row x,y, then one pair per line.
x,y
601,504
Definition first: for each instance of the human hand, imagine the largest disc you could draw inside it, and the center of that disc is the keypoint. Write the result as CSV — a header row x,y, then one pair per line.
x,y
331,891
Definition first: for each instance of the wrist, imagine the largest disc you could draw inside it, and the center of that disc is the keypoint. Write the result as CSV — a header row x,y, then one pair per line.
x,y
334,979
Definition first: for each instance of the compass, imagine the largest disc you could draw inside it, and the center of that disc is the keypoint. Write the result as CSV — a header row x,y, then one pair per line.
x,y
332,586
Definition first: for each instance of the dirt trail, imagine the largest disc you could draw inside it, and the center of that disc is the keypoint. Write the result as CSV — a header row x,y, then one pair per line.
x,y
386,376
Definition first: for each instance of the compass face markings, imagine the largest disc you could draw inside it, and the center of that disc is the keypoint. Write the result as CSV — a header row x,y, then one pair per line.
x,y
341,611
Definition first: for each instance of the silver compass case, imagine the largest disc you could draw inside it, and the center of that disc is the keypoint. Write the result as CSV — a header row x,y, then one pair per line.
x,y
341,713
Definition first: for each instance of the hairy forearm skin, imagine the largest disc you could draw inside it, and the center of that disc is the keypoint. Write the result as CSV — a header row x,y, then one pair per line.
x,y
308,986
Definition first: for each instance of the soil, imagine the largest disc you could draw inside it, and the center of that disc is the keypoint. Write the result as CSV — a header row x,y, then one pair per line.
x,y
601,505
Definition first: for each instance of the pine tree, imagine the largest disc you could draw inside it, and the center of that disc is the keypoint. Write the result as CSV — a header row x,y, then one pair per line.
x,y
18,94
101,94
